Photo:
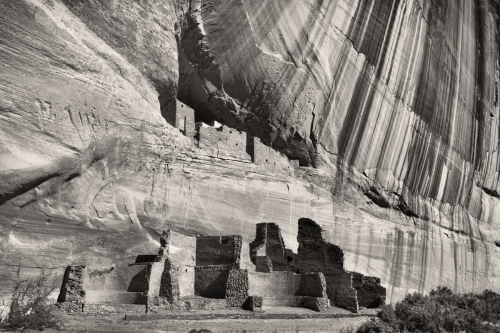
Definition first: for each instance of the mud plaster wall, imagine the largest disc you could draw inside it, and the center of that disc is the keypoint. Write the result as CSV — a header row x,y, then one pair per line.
x,y
278,285
181,117
127,278
178,275
224,142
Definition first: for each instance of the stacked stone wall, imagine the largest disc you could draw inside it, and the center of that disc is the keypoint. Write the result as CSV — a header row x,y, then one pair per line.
x,y
210,281
316,255
72,289
370,293
237,287
218,250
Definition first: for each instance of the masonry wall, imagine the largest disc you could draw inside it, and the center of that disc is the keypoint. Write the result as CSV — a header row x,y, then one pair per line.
x,y
224,142
237,287
181,117
370,293
72,289
316,255
270,159
218,250
210,281
268,250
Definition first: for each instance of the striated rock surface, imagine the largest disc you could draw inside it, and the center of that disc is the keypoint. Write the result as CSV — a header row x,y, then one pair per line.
x,y
387,110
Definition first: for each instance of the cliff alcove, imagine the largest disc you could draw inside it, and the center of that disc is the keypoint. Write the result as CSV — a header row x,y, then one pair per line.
x,y
376,119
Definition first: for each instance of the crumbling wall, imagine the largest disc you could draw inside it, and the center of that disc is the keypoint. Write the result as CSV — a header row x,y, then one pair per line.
x,y
72,289
223,142
268,250
210,281
316,255
218,250
72,294
370,293
172,275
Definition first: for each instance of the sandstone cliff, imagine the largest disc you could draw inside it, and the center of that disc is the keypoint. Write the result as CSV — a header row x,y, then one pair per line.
x,y
391,108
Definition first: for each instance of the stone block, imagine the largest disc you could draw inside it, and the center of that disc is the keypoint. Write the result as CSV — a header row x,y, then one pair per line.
x,y
313,303
255,303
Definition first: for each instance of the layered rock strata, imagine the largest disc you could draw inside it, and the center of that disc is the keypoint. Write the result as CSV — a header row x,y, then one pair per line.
x,y
391,109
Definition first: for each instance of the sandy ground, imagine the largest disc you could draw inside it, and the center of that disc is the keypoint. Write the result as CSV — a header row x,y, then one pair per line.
x,y
272,320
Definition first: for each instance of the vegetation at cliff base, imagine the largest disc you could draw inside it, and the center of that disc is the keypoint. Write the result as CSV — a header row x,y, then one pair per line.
x,y
441,311
30,307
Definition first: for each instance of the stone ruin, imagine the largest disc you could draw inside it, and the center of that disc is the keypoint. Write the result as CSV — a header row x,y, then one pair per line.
x,y
217,272
228,143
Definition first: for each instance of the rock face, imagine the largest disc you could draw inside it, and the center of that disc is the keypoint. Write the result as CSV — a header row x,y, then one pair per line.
x,y
376,119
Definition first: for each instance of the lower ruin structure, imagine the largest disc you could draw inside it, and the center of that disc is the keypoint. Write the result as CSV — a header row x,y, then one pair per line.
x,y
216,272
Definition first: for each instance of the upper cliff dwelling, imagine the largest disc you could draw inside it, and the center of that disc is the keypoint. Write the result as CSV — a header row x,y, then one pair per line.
x,y
122,119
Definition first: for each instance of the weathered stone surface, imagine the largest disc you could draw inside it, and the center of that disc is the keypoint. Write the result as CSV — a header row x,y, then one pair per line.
x,y
395,103
237,287
315,254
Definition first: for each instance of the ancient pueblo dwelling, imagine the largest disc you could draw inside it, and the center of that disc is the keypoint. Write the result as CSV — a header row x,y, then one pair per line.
x,y
165,156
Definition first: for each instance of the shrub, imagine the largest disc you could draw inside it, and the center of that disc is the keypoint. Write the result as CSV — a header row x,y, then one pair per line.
x,y
440,311
30,308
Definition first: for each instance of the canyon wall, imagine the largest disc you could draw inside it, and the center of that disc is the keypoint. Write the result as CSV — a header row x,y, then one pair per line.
x,y
387,110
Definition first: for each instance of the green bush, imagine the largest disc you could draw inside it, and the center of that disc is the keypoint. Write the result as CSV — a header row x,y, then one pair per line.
x,y
30,308
441,311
